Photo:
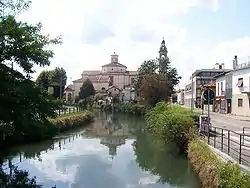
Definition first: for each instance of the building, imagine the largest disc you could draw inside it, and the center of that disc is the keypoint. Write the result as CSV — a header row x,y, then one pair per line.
x,y
223,92
178,97
68,92
113,76
199,79
241,88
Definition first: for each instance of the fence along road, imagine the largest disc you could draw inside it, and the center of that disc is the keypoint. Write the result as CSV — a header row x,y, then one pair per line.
x,y
234,144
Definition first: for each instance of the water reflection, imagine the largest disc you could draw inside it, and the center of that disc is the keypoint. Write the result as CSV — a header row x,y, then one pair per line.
x,y
113,152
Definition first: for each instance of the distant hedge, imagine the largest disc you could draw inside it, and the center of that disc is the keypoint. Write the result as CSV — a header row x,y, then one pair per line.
x,y
132,108
69,121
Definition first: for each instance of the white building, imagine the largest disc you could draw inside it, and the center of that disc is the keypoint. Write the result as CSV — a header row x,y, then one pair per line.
x,y
112,76
223,92
241,88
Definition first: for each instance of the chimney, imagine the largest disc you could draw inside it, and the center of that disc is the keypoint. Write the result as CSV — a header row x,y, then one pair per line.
x,y
223,65
235,62
216,66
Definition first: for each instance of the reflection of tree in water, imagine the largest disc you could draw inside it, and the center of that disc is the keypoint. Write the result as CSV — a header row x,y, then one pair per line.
x,y
154,156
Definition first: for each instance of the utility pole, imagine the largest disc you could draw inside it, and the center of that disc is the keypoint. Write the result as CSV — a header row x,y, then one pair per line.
x,y
60,87
208,107
192,90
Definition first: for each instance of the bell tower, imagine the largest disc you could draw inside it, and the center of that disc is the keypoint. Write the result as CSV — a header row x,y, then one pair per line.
x,y
163,52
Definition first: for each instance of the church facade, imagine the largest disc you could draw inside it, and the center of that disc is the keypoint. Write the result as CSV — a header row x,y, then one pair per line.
x,y
112,77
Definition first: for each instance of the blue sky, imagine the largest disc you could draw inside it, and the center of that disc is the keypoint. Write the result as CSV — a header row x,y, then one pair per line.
x,y
198,33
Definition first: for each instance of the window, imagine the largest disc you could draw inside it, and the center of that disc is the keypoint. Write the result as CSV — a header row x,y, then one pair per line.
x,y
240,82
132,80
221,88
218,89
240,102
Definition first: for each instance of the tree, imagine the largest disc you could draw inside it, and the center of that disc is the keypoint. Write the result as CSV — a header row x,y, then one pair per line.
x,y
25,45
154,88
170,73
86,90
24,108
44,80
162,67
147,67
56,78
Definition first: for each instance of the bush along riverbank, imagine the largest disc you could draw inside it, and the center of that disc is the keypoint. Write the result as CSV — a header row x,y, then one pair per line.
x,y
70,121
131,108
212,170
173,123
176,124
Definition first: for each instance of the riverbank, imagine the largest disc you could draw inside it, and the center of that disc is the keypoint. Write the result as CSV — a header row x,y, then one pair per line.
x,y
34,133
177,124
212,170
69,121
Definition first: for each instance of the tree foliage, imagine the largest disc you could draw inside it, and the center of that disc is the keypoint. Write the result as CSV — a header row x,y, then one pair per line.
x,y
154,89
158,66
86,90
24,108
53,77
24,44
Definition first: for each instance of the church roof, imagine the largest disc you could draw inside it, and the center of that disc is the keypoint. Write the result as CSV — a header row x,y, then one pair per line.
x,y
114,65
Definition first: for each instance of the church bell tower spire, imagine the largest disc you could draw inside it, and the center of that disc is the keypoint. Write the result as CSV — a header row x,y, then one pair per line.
x,y
163,52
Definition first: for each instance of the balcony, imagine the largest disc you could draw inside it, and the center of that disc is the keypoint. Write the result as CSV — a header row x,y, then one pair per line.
x,y
244,89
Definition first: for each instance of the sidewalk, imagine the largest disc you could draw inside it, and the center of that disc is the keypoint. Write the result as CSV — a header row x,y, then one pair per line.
x,y
230,116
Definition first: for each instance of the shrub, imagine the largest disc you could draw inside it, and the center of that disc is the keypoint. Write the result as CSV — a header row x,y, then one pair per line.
x,y
214,172
173,123
69,121
132,108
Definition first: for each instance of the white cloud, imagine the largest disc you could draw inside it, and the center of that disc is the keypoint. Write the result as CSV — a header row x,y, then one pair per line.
x,y
93,29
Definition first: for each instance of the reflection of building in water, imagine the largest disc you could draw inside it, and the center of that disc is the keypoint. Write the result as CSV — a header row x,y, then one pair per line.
x,y
112,134
115,134
112,143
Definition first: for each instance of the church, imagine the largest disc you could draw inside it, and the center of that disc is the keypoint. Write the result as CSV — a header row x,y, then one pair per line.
x,y
113,77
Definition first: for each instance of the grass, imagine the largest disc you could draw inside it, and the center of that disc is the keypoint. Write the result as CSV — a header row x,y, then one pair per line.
x,y
68,121
213,171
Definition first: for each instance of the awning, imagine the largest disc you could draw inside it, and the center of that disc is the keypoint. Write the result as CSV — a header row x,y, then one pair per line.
x,y
240,83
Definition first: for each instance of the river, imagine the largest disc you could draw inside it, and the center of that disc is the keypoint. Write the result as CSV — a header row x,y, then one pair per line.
x,y
113,152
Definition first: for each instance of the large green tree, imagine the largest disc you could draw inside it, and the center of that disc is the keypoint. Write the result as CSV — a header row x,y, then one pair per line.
x,y
154,88
55,77
170,73
161,66
146,68
86,90
24,108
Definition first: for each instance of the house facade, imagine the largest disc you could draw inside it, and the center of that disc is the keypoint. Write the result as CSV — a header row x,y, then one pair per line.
x,y
201,78
223,93
241,88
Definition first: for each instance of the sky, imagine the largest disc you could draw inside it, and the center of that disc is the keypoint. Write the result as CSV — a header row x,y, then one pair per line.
x,y
198,33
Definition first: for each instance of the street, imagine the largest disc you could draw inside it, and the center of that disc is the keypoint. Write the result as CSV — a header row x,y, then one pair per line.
x,y
231,122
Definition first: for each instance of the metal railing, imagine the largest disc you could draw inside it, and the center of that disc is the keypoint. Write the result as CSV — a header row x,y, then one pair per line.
x,y
234,144
69,110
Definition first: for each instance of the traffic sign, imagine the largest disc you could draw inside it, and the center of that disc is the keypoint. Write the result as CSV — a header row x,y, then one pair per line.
x,y
208,96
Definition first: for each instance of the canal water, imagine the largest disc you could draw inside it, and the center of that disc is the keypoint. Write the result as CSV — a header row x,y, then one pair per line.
x,y
113,152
